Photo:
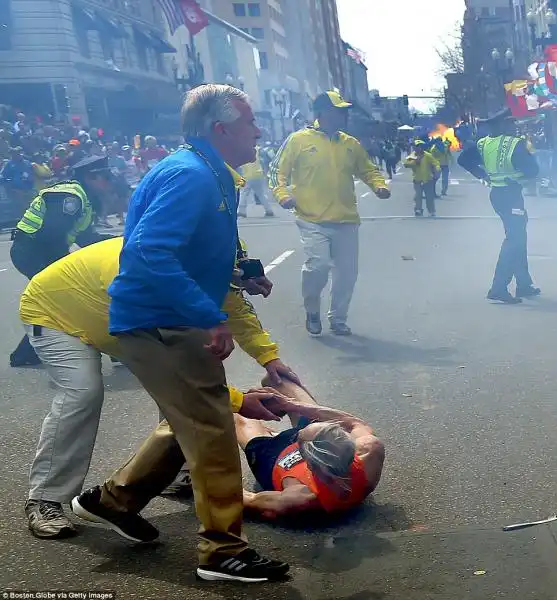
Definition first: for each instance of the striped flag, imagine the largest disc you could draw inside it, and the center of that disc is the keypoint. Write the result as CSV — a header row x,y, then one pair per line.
x,y
173,14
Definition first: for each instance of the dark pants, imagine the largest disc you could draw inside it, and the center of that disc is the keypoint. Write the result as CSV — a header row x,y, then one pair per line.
x,y
390,165
508,203
444,179
424,189
28,259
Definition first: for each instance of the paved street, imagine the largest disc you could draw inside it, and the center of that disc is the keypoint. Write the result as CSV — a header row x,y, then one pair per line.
x,y
462,392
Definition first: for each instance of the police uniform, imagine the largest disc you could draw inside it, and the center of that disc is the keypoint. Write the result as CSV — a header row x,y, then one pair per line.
x,y
60,215
505,162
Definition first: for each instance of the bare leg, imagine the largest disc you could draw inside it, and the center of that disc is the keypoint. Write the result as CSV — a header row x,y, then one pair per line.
x,y
248,429
292,390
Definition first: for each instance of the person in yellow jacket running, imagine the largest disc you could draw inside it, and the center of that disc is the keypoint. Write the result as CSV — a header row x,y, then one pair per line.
x,y
65,312
313,173
425,170
256,184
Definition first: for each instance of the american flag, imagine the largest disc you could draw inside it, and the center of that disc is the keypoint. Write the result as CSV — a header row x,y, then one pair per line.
x,y
173,14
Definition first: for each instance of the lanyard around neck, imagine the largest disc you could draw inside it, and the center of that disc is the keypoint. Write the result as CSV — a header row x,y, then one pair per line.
x,y
222,189
239,250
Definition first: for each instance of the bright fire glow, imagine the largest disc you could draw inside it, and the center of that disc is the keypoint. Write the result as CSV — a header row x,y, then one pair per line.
x,y
446,133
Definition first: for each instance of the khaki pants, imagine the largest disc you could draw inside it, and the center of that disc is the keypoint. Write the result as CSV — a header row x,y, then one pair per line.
x,y
189,386
329,248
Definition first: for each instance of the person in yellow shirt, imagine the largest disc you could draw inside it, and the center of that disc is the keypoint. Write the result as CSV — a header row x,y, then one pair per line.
x,y
256,184
65,313
313,173
425,169
441,151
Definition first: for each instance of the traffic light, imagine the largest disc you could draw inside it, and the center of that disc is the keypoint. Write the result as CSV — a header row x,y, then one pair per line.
x,y
405,100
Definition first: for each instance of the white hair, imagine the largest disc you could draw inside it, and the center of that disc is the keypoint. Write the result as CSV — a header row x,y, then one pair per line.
x,y
205,105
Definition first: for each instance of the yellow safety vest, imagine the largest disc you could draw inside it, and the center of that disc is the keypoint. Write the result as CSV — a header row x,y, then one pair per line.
x,y
496,153
33,219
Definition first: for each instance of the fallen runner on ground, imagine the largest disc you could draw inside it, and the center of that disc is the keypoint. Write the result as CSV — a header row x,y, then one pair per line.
x,y
328,461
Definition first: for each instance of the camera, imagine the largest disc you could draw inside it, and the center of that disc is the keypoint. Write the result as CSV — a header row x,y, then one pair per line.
x,y
251,268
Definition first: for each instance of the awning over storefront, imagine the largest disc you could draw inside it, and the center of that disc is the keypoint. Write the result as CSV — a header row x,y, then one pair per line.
x,y
112,26
154,40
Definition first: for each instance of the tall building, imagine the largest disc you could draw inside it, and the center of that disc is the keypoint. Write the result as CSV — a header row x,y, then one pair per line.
x,y
103,61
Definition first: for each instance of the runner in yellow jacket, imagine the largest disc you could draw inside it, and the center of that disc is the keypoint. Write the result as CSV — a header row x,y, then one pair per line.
x,y
65,312
313,173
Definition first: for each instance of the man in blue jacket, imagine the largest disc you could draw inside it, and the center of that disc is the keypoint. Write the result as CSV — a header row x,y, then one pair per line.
x,y
176,266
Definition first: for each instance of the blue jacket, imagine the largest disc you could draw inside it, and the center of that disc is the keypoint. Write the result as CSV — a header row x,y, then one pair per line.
x,y
179,245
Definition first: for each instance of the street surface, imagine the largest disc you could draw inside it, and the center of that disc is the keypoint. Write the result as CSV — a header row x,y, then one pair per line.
x,y
462,391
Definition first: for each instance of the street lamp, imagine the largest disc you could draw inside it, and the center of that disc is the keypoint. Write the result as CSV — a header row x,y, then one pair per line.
x,y
281,98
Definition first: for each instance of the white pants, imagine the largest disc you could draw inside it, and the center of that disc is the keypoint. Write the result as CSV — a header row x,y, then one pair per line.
x,y
70,428
329,247
259,188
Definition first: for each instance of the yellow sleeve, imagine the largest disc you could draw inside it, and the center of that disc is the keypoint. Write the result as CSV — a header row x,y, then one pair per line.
x,y
41,170
410,162
247,330
366,170
435,163
236,399
280,169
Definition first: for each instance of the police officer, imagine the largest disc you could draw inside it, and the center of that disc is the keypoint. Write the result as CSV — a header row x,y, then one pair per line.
x,y
502,159
61,215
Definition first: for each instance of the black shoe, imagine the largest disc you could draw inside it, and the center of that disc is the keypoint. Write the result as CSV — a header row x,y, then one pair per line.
x,y
503,296
247,567
340,329
444,194
418,213
131,526
313,324
269,214
528,292
47,520
433,215
181,486
25,362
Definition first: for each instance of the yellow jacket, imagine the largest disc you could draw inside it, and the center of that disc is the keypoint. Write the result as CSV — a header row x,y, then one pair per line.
x,y
425,170
444,157
253,170
71,296
318,172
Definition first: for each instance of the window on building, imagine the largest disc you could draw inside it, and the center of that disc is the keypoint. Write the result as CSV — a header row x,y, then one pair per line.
x,y
245,30
254,9
107,44
6,25
83,22
239,9
141,48
258,32
263,60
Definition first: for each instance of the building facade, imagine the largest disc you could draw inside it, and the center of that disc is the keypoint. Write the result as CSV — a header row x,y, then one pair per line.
x,y
102,61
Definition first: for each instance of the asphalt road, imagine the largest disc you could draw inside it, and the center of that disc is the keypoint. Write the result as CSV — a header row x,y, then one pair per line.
x,y
462,392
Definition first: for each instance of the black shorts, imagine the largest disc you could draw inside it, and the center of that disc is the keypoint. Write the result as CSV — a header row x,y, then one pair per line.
x,y
262,453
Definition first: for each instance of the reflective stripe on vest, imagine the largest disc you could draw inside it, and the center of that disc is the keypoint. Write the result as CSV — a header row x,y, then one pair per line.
x,y
32,220
497,155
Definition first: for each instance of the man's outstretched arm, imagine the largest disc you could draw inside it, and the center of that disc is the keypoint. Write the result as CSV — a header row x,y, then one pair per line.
x,y
271,505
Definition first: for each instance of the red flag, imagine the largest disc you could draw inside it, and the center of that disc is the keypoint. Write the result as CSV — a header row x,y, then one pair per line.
x,y
551,53
195,18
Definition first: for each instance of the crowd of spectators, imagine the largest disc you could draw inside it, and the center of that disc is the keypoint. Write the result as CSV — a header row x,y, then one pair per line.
x,y
34,154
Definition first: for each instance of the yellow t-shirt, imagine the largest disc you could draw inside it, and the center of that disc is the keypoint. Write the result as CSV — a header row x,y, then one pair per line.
x,y
71,296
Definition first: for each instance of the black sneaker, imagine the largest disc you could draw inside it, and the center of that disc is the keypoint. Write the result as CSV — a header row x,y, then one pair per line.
x,y
503,296
269,214
418,213
247,567
432,215
340,329
47,520
181,486
528,292
313,324
131,526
